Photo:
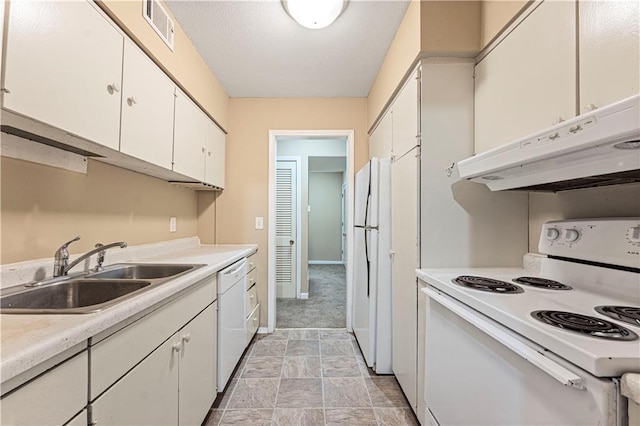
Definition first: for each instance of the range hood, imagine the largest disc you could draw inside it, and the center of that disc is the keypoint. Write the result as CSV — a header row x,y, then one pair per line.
x,y
598,148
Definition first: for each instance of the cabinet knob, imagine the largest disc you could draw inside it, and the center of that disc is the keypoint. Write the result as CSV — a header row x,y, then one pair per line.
x,y
590,107
186,337
113,87
203,150
209,153
132,100
251,296
177,346
558,120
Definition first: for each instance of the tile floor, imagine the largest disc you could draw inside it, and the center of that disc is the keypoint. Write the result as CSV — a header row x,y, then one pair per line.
x,y
309,377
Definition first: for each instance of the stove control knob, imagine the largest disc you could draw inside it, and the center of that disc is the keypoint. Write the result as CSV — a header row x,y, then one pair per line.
x,y
634,234
552,234
571,235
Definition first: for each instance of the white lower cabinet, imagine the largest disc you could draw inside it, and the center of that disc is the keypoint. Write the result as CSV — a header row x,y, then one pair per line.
x,y
53,398
161,369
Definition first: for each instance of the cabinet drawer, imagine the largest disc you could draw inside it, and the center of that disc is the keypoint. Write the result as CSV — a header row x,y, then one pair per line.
x,y
51,399
252,300
113,357
253,322
252,261
252,278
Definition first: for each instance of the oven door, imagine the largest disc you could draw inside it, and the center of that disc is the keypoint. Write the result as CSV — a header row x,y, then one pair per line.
x,y
478,372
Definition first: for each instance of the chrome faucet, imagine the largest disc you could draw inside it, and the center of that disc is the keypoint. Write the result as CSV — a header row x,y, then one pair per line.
x,y
62,266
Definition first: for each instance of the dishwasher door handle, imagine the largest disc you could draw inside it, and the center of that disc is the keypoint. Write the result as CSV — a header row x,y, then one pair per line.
x,y
237,269
545,364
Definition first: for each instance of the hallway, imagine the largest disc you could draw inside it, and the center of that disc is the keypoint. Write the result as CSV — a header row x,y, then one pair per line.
x,y
326,306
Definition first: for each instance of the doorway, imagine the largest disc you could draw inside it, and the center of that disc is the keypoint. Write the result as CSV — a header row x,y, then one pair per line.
x,y
318,173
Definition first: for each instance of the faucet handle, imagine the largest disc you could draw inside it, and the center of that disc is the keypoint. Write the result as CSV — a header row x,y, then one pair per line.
x,y
62,258
100,259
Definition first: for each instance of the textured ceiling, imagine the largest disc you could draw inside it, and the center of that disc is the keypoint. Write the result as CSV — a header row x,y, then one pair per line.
x,y
256,50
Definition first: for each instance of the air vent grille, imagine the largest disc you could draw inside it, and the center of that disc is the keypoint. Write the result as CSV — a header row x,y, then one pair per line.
x,y
159,19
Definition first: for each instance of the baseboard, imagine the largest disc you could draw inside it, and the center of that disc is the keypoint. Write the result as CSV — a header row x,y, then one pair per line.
x,y
263,330
326,262
304,295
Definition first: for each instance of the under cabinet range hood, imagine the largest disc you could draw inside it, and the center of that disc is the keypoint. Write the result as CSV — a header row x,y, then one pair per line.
x,y
598,148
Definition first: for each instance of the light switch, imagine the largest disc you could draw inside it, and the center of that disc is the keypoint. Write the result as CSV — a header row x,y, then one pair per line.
x,y
259,222
173,224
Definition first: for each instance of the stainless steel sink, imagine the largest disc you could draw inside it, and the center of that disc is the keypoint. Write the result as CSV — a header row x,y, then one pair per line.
x,y
90,292
142,271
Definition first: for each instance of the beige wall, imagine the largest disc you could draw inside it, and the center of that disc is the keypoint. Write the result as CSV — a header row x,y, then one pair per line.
x,y
450,28
495,15
403,51
325,217
184,64
42,207
247,162
613,201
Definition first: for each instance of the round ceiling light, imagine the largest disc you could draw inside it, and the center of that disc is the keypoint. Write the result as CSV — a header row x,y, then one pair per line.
x,y
314,14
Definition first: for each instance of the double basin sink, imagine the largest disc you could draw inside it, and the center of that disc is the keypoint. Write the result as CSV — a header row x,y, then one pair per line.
x,y
89,292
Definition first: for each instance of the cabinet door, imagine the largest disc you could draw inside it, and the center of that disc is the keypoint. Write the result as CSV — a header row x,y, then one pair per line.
x,y
404,244
214,165
190,132
64,67
197,387
380,139
609,51
406,118
147,395
147,109
529,79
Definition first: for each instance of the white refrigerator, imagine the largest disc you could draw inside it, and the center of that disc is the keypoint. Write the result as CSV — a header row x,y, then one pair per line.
x,y
372,265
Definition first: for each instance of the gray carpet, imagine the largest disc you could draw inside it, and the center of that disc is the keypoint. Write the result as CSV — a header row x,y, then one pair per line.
x,y
326,306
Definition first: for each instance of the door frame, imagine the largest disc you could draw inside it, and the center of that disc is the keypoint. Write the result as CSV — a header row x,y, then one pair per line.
x,y
274,135
298,207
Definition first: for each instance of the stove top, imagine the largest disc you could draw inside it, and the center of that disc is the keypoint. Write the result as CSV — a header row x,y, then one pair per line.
x,y
585,325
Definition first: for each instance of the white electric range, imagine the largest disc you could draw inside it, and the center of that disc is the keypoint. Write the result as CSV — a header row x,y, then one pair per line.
x,y
541,345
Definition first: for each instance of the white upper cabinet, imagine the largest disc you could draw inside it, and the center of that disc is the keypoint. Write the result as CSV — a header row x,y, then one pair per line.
x,y
64,67
405,113
199,145
214,156
609,52
528,80
380,139
147,109
191,128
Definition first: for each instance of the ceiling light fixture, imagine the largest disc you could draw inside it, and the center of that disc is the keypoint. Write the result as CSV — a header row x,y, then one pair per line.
x,y
314,14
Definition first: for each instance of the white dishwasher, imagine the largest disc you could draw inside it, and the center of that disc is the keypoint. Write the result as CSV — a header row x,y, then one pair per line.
x,y
232,338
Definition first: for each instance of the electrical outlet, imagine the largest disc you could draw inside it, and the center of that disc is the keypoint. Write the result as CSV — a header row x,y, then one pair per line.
x,y
259,222
173,224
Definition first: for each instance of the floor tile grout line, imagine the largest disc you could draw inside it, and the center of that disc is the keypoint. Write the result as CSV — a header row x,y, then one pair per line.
x,y
324,404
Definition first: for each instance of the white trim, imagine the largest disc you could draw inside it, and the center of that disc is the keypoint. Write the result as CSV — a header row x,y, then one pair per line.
x,y
298,161
304,296
262,330
326,262
271,248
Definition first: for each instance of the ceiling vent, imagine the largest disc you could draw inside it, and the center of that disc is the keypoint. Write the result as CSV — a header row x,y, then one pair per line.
x,y
159,20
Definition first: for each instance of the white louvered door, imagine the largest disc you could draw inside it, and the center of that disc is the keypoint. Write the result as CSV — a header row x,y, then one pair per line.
x,y
286,229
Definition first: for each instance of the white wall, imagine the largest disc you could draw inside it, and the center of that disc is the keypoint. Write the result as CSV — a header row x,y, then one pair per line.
x,y
325,217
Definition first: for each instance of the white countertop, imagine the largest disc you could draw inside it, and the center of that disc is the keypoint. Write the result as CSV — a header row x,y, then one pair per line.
x,y
29,340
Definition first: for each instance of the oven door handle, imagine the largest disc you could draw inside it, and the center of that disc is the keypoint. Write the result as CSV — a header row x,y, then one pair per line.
x,y
545,364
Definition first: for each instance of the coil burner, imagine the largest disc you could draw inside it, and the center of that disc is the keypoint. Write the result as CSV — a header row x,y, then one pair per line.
x,y
487,284
585,325
628,314
542,283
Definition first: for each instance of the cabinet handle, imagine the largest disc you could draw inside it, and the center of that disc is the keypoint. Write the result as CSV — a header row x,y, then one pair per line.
x,y
113,87
132,100
558,120
177,346
186,337
590,107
